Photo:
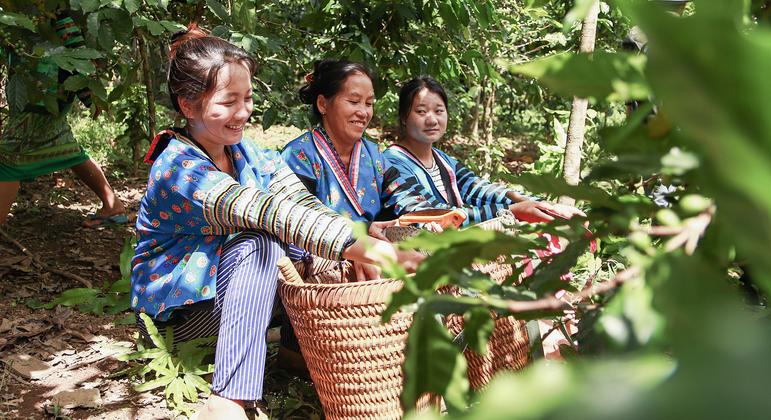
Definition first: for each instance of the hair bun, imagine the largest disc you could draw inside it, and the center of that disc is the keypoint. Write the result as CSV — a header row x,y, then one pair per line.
x,y
185,35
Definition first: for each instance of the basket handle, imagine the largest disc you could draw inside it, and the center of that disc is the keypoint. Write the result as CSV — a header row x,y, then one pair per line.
x,y
288,271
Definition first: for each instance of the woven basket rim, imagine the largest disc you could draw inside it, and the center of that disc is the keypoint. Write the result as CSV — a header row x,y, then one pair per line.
x,y
353,284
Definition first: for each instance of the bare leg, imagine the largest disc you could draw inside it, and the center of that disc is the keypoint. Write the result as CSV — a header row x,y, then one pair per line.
x,y
221,408
8,190
91,174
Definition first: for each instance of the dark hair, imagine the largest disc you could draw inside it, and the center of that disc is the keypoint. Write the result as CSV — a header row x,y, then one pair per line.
x,y
327,79
195,59
411,88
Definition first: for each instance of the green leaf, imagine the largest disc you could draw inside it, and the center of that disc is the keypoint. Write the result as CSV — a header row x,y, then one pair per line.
x,y
131,5
433,364
161,4
602,75
477,327
448,15
74,297
75,83
151,353
17,92
176,390
126,254
218,9
678,162
51,104
152,331
106,37
15,19
460,10
92,24
155,383
405,296
121,23
155,28
197,382
89,5
97,88
172,26
269,117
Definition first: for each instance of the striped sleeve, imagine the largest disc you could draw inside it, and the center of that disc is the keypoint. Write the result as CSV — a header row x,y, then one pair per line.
x,y
478,191
286,182
407,194
229,204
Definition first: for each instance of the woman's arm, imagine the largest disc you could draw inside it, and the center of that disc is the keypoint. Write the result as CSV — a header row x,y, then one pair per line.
x,y
478,191
189,196
405,194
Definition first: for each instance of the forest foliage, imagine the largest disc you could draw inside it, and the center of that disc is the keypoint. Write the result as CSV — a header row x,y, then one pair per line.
x,y
676,192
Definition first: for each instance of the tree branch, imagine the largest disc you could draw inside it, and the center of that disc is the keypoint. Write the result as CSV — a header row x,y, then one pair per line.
x,y
43,266
553,304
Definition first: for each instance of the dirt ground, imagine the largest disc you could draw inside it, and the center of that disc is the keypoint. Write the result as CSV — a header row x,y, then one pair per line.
x,y
77,351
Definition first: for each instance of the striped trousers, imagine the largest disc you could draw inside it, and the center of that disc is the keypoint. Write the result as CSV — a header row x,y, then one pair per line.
x,y
239,314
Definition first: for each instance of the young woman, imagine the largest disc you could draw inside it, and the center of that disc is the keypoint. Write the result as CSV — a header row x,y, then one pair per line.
x,y
218,214
423,120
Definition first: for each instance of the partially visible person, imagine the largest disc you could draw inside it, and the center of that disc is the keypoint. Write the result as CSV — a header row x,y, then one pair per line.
x,y
218,214
423,118
36,142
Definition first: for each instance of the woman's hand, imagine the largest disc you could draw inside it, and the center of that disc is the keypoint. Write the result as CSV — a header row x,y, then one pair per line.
x,y
433,227
410,260
364,271
376,228
374,251
543,211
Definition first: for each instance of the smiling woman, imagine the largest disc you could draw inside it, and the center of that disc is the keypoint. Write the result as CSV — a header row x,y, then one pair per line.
x,y
218,214
423,120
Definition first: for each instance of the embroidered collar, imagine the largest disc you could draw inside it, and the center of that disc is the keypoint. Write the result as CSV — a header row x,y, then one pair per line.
x,y
326,137
349,179
443,164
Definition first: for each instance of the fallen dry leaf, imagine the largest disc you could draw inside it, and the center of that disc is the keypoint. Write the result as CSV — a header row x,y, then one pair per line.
x,y
27,366
5,325
30,329
86,398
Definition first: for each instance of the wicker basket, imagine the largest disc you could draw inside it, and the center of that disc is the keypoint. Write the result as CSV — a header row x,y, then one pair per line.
x,y
508,347
354,360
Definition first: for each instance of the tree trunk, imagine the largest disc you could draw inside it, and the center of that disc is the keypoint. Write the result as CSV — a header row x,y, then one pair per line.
x,y
489,115
3,100
575,136
147,77
475,115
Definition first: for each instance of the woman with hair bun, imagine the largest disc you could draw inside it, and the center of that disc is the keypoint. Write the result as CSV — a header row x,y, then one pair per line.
x,y
218,214
423,122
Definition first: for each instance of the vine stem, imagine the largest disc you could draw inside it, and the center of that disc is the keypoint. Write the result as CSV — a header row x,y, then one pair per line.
x,y
555,304
43,266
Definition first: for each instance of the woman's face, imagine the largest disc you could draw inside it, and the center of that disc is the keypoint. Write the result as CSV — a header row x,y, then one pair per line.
x,y
348,113
427,120
221,116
